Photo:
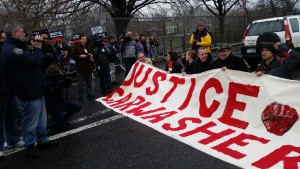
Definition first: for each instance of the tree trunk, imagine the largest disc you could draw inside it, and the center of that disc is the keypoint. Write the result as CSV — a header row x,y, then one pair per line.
x,y
222,28
121,25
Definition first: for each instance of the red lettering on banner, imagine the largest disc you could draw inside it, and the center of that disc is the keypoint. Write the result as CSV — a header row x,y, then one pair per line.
x,y
138,111
130,80
182,124
120,92
204,111
155,77
120,101
176,81
239,140
279,155
159,117
146,75
204,129
189,95
232,103
137,101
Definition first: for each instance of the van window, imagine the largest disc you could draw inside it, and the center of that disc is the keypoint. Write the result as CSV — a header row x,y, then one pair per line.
x,y
269,26
294,24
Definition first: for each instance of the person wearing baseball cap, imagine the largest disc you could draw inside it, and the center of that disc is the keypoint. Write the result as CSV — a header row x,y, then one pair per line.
x,y
228,61
271,64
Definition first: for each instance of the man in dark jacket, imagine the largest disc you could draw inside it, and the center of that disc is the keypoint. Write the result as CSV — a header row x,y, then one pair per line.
x,y
112,55
229,61
83,55
203,61
49,52
273,65
3,95
102,61
25,79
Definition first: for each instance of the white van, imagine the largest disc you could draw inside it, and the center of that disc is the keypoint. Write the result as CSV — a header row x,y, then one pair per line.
x,y
271,30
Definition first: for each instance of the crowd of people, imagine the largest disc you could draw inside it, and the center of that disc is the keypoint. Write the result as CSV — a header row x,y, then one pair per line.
x,y
32,78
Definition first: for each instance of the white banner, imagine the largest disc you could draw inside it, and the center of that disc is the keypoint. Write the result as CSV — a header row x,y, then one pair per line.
x,y
249,121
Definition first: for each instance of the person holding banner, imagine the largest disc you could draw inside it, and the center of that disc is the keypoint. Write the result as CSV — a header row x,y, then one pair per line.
x,y
143,59
203,62
83,55
275,66
190,62
228,61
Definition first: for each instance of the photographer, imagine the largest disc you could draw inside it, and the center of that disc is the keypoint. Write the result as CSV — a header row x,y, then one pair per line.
x,y
56,105
129,51
83,55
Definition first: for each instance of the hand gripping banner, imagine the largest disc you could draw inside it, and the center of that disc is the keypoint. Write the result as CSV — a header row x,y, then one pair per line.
x,y
249,121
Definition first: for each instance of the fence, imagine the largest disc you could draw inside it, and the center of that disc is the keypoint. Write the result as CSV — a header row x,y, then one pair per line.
x,y
173,32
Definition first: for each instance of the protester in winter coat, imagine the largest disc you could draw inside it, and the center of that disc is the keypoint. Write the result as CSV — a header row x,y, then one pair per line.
x,y
144,47
112,57
228,61
191,57
26,82
143,59
56,104
176,63
83,55
273,65
129,51
203,62
201,38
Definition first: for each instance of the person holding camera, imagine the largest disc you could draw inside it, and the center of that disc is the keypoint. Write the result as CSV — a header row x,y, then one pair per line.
x,y
56,105
201,38
129,51
26,85
83,55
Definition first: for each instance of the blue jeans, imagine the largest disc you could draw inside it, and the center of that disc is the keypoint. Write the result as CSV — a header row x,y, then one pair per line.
x,y
34,121
11,116
105,78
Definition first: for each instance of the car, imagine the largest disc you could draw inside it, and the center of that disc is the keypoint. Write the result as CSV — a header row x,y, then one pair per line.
x,y
269,31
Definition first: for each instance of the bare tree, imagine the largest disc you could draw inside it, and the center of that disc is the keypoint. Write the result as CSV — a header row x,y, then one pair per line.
x,y
219,8
283,7
122,11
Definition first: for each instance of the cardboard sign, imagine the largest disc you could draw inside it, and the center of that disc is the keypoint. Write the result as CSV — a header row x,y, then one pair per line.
x,y
57,35
38,32
249,121
96,30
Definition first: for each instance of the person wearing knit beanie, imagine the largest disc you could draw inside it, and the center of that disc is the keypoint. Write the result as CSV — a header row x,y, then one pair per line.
x,y
274,65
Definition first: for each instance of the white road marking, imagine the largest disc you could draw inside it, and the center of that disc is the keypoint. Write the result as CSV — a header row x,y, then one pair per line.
x,y
70,132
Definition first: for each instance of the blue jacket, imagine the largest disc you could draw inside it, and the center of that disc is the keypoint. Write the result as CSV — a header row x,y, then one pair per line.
x,y
23,69
281,67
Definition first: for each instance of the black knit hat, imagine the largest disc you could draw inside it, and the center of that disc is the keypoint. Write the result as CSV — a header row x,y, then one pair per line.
x,y
270,47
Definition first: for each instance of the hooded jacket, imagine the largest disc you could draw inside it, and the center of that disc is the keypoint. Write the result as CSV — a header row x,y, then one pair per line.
x,y
203,38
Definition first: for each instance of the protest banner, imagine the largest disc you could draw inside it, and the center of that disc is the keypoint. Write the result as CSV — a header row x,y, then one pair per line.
x,y
249,121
